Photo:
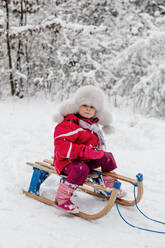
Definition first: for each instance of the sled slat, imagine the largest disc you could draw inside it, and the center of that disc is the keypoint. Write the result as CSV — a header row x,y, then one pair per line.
x,y
138,197
112,174
39,198
117,176
50,165
48,161
91,192
104,211
47,166
42,168
96,186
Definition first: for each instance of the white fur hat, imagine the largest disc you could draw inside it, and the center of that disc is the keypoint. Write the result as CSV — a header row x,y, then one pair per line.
x,y
89,95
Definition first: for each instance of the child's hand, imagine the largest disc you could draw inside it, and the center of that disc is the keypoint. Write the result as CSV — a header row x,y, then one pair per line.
x,y
89,152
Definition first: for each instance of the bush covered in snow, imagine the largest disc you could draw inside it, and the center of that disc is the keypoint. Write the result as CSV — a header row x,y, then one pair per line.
x,y
117,45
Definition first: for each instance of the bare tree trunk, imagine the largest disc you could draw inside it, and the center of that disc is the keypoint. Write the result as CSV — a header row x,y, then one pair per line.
x,y
9,49
27,57
19,53
19,41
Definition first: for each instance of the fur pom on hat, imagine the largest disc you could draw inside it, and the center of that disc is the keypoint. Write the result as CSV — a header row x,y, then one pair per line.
x,y
87,95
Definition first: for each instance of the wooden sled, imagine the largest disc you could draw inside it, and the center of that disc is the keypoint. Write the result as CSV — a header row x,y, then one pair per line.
x,y
88,187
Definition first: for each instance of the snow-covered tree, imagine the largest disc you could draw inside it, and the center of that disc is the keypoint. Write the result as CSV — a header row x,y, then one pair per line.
x,y
118,45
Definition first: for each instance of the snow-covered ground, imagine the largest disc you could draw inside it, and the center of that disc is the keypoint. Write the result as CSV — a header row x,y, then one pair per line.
x,y
27,135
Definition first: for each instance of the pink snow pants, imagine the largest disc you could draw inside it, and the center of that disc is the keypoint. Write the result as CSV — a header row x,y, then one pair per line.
x,y
78,171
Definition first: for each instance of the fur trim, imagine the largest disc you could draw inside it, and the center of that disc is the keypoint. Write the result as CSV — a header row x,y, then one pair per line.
x,y
108,129
58,118
68,107
104,117
89,95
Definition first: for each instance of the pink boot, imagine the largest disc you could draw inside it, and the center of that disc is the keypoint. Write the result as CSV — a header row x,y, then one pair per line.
x,y
109,181
63,195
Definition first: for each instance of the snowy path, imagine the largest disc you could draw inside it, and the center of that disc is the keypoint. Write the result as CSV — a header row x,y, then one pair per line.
x,y
26,135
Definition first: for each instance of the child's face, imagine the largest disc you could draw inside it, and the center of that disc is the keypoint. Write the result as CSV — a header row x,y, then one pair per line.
x,y
87,111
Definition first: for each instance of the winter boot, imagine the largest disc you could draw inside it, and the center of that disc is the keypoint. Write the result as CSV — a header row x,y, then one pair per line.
x,y
63,195
109,181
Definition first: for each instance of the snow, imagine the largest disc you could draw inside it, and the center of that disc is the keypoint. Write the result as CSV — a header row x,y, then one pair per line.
x,y
57,21
27,135
116,45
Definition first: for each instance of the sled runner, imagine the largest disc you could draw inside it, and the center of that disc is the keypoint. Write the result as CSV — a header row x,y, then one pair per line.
x,y
41,170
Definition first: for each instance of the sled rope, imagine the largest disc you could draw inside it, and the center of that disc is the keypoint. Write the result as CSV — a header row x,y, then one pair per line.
x,y
160,222
137,227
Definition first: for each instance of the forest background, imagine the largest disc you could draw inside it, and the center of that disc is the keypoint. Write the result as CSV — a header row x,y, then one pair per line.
x,y
50,48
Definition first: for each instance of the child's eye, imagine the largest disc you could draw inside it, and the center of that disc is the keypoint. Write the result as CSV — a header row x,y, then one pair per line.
x,y
87,106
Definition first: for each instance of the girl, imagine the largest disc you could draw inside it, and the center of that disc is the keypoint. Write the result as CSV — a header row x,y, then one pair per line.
x,y
79,143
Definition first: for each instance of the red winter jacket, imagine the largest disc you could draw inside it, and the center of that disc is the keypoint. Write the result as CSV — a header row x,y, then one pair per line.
x,y
69,140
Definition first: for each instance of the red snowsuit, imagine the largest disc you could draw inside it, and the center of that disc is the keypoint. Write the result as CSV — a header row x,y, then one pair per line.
x,y
69,140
